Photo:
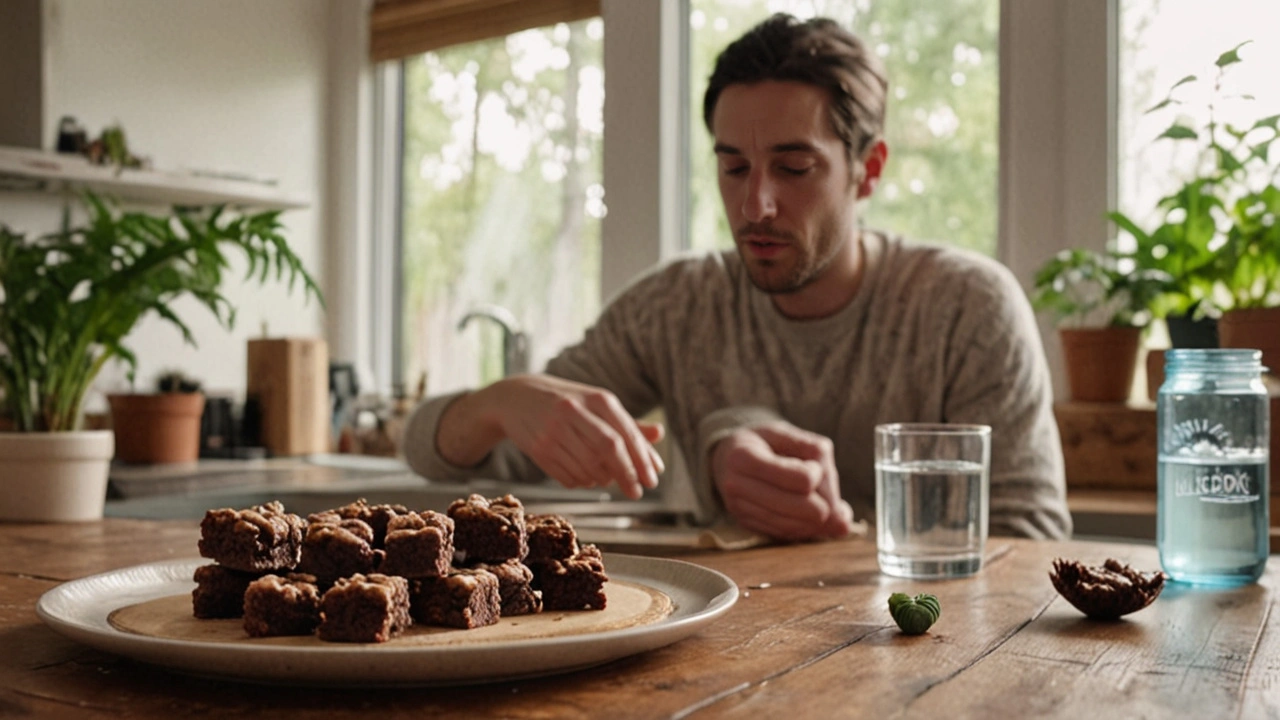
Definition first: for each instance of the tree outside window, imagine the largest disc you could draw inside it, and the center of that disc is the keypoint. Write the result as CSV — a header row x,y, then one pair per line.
x,y
502,197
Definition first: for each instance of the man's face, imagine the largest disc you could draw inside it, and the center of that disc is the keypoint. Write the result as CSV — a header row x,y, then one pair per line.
x,y
786,184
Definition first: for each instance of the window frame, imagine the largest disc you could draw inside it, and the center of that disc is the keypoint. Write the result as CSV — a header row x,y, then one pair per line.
x,y
1057,140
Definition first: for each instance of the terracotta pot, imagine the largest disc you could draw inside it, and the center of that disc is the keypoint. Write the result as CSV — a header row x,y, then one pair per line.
x,y
160,428
54,476
1101,362
1257,328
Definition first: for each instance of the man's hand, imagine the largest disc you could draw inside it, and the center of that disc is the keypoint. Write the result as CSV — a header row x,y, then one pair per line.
x,y
578,434
781,481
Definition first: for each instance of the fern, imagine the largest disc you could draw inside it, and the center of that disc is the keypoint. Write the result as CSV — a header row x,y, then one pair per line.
x,y
69,299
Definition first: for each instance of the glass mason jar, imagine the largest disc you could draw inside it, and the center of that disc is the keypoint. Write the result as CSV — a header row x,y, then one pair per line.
x,y
1212,517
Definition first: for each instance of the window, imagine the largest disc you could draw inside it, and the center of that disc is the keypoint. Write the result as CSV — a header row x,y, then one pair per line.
x,y
1163,41
1044,81
941,124
501,200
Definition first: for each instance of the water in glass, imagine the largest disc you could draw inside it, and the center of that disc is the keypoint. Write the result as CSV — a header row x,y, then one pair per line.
x,y
932,517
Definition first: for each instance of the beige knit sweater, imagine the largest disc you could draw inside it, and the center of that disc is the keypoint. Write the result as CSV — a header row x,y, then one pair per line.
x,y
935,334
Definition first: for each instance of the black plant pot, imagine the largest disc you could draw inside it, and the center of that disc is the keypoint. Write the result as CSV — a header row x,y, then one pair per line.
x,y
1185,332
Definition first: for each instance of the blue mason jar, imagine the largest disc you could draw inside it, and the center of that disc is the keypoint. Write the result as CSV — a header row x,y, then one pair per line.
x,y
1212,518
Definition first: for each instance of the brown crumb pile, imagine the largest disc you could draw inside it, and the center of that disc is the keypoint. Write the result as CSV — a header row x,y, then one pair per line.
x,y
1107,592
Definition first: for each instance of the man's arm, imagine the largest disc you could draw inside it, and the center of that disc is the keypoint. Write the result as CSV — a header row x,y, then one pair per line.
x,y
531,426
576,433
772,477
574,423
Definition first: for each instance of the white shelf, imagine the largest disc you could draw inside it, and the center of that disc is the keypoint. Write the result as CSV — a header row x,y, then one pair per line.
x,y
23,168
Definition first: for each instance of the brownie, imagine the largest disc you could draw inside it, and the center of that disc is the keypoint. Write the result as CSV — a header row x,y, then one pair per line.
x,y
365,608
488,530
259,539
332,550
551,537
464,598
376,516
219,591
288,605
514,589
418,545
573,584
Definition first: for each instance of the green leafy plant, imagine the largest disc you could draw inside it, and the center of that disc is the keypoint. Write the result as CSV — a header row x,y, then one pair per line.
x,y
1218,238
69,299
1084,287
914,616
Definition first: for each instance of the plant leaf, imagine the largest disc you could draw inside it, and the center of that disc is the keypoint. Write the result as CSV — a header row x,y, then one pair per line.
x,y
1161,105
1231,56
1270,122
1178,132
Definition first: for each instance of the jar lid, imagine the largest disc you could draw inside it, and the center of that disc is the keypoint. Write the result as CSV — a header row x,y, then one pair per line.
x,y
1215,359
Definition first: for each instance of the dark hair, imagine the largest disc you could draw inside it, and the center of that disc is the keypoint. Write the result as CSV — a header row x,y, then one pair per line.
x,y
817,52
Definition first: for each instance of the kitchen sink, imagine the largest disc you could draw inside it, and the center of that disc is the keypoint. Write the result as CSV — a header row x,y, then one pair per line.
x,y
404,489
313,484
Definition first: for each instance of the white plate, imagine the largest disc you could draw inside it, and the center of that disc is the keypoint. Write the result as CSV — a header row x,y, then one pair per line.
x,y
80,609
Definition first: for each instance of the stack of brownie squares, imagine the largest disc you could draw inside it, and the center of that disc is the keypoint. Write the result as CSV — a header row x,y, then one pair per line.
x,y
489,580
246,545
568,577
289,576
364,573
535,557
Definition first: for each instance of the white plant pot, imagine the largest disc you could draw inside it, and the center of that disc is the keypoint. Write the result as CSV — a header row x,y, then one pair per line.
x,y
54,476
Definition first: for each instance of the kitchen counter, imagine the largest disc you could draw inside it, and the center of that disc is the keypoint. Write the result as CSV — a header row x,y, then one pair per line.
x,y
304,484
810,636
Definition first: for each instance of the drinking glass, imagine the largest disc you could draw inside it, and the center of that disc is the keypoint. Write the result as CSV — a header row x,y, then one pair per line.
x,y
932,487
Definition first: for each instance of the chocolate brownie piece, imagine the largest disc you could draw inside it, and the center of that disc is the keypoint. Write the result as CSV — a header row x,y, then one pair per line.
x,y
551,537
573,584
419,545
275,605
365,608
219,591
514,588
488,530
376,516
260,539
334,550
464,598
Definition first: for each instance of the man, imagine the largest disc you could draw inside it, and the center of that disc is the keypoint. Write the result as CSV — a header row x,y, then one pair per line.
x,y
775,362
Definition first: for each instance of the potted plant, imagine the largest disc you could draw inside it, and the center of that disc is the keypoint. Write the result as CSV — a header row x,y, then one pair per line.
x,y
1219,235
68,301
1182,248
1249,266
1101,309
159,427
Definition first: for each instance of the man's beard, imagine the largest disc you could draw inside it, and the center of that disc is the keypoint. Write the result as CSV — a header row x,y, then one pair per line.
x,y
789,275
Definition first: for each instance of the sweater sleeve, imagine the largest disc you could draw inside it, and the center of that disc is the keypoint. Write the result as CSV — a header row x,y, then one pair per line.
x,y
614,353
998,376
504,462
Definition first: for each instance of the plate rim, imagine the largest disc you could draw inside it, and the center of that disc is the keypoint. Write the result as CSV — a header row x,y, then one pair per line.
x,y
676,626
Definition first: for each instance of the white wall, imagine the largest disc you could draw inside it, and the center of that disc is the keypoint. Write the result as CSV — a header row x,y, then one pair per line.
x,y
232,85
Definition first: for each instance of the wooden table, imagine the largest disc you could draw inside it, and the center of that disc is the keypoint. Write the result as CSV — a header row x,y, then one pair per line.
x,y
810,637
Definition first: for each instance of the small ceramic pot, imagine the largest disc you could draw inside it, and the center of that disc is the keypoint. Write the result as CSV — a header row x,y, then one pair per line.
x,y
54,476
157,428
1256,328
1100,362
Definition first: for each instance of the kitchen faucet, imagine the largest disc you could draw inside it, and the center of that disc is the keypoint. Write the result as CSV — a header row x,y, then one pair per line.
x,y
515,343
